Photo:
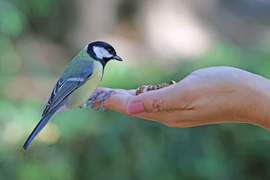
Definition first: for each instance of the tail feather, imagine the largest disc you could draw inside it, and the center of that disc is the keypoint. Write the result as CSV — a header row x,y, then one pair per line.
x,y
38,128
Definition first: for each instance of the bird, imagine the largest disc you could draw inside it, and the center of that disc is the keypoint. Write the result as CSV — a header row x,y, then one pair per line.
x,y
77,84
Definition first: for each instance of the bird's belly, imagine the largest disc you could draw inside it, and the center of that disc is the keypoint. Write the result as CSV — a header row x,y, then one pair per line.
x,y
80,96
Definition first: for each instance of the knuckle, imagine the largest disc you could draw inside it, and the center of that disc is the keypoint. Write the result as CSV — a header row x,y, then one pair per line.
x,y
157,105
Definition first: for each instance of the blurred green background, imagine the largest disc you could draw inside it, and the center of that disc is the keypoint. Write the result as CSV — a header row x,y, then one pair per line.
x,y
159,41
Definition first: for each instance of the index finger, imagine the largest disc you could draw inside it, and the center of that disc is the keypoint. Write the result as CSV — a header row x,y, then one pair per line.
x,y
117,102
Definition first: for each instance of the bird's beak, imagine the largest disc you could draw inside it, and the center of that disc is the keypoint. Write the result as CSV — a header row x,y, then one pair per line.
x,y
117,58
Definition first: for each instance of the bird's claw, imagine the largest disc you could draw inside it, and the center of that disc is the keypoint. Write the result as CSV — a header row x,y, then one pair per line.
x,y
104,97
93,98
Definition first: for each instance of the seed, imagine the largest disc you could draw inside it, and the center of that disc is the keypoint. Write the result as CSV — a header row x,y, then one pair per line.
x,y
172,82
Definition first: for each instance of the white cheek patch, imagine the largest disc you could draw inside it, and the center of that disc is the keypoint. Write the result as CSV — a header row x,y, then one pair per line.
x,y
101,52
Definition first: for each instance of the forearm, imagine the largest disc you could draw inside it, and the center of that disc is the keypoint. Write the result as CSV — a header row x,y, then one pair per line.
x,y
259,100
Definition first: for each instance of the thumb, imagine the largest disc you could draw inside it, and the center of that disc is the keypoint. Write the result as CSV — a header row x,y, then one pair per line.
x,y
168,98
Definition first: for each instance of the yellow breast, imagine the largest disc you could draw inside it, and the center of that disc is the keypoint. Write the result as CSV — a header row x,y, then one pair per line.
x,y
79,97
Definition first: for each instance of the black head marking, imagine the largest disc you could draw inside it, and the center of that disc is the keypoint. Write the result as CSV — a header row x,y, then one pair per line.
x,y
105,45
102,51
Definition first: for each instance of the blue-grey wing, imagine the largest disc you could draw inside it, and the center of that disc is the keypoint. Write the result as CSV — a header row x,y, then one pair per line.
x,y
66,86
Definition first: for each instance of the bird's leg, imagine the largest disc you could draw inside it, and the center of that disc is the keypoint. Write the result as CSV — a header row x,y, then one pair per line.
x,y
93,98
105,96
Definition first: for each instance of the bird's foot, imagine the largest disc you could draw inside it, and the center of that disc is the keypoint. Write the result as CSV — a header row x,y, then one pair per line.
x,y
105,96
93,98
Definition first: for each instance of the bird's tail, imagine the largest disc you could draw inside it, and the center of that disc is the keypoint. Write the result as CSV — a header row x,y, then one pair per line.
x,y
38,128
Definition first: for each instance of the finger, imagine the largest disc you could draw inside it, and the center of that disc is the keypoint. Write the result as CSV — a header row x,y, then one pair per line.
x,y
169,98
117,102
121,91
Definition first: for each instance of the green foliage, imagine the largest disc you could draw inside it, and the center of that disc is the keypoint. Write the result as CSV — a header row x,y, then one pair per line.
x,y
85,144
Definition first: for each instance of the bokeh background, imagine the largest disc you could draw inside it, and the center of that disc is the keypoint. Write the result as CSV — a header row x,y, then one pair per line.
x,y
159,40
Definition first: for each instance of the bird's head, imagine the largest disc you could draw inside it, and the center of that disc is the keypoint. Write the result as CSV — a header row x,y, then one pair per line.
x,y
102,51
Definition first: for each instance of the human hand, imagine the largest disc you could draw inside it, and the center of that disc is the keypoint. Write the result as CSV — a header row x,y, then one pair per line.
x,y
206,96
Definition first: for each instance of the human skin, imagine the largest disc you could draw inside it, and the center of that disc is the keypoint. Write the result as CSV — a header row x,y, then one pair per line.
x,y
206,96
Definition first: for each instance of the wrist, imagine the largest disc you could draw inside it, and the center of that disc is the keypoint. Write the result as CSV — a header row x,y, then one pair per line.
x,y
259,99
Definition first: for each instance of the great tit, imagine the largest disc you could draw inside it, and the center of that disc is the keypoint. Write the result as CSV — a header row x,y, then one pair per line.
x,y
77,84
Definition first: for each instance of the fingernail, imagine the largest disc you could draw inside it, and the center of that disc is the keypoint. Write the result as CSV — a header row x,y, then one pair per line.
x,y
135,108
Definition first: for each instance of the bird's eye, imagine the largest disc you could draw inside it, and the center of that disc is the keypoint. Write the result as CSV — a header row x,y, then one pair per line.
x,y
110,51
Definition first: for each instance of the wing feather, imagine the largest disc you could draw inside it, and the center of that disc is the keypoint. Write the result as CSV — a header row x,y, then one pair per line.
x,y
66,86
